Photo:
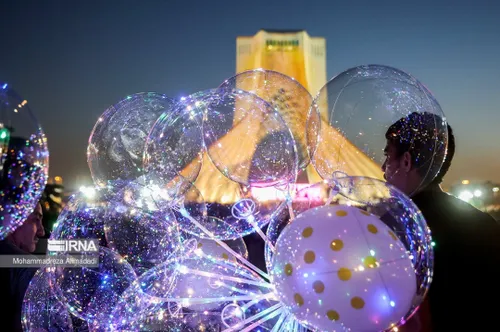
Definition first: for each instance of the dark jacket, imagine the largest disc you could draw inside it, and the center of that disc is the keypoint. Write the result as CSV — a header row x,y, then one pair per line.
x,y
13,285
465,286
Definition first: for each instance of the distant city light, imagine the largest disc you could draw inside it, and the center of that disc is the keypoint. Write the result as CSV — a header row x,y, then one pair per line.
x,y
89,192
477,193
465,181
273,194
496,189
465,196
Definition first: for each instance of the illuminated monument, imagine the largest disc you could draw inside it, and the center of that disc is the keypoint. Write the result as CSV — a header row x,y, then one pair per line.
x,y
295,54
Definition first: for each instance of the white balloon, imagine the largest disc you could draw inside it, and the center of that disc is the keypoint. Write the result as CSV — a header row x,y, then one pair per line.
x,y
339,267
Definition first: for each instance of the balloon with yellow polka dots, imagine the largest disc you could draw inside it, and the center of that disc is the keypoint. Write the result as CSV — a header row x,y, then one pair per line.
x,y
340,267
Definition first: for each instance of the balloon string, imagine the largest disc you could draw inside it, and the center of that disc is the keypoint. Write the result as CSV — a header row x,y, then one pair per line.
x,y
228,278
331,196
281,321
290,209
262,320
249,304
259,231
232,288
223,245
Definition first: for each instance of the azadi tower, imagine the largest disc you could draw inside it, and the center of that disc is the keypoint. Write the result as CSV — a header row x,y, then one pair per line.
x,y
295,54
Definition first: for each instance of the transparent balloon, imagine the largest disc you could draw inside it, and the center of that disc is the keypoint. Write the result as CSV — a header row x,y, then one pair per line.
x,y
24,160
175,145
168,317
364,108
212,249
149,195
41,309
373,246
91,293
233,210
199,284
188,321
267,156
82,218
285,94
116,144
143,237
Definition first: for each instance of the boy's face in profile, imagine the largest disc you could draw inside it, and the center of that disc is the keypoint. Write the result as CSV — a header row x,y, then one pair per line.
x,y
393,172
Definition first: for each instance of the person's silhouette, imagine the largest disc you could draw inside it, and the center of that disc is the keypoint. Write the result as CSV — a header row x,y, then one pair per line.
x,y
467,241
15,280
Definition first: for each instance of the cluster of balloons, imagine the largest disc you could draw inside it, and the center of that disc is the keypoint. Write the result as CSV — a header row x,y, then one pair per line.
x,y
176,191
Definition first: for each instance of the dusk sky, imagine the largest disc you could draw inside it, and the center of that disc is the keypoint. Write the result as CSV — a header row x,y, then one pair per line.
x,y
73,59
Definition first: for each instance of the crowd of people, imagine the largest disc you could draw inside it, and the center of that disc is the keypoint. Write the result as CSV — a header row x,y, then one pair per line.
x,y
466,253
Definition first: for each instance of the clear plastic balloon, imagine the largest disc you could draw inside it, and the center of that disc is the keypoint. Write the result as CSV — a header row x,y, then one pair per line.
x,y
82,218
24,160
175,145
116,144
286,95
149,195
233,210
206,279
229,221
248,140
167,317
162,320
214,250
199,284
92,293
360,108
397,211
41,310
378,251
144,238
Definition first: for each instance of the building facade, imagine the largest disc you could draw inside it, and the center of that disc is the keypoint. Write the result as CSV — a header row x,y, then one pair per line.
x,y
290,52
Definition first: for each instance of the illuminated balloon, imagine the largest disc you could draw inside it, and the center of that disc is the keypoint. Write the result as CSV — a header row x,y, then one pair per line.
x,y
340,267
116,144
213,250
41,310
82,218
267,155
285,94
233,210
142,237
197,284
174,146
356,109
24,160
90,293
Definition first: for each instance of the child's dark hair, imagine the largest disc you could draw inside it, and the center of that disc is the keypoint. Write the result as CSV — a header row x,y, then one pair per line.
x,y
423,135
